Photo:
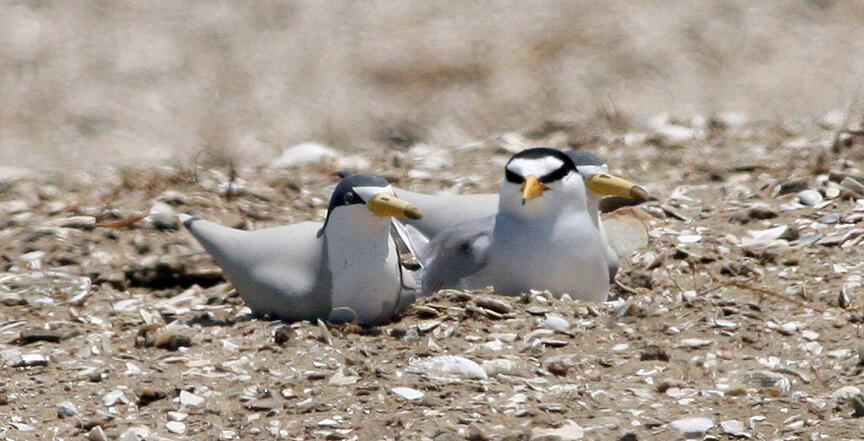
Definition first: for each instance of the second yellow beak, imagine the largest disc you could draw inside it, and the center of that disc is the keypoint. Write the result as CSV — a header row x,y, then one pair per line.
x,y
384,204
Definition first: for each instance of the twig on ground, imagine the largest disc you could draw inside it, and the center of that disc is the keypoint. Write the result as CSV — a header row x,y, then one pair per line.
x,y
626,288
759,290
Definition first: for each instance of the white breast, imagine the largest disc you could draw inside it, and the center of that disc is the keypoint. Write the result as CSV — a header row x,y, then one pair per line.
x,y
364,264
566,255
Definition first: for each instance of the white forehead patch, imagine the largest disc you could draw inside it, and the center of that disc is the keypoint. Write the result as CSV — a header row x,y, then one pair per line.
x,y
368,192
535,166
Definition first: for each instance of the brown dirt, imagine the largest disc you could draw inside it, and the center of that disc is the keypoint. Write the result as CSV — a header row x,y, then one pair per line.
x,y
622,367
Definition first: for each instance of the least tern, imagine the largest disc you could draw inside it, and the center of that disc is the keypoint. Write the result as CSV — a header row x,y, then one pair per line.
x,y
546,234
444,211
347,269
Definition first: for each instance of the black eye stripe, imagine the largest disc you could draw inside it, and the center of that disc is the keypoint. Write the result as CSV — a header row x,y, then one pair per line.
x,y
513,177
555,175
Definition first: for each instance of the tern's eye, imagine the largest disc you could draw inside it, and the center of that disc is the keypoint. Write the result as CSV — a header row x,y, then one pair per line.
x,y
556,175
351,198
513,177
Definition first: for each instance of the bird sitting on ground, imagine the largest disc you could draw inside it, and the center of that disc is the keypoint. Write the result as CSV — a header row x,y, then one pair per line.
x,y
347,269
546,234
444,211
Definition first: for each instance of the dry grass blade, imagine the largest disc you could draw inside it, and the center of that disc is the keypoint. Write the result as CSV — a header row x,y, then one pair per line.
x,y
759,290
123,223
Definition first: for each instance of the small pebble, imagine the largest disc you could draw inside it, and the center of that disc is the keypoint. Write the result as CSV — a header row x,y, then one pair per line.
x,y
265,404
408,393
689,238
810,335
176,427
557,368
852,185
809,197
476,434
304,154
172,340
568,431
761,212
768,379
653,352
792,186
162,216
114,397
177,416
66,409
695,427
147,396
451,365
97,434
788,328
846,393
556,323
328,422
858,405
495,305
693,343
190,399
734,428
282,335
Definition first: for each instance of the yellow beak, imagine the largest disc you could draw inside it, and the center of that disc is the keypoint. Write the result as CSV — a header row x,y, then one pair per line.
x,y
388,205
609,185
532,188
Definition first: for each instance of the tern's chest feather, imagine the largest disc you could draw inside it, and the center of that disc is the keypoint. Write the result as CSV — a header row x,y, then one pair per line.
x,y
566,256
365,276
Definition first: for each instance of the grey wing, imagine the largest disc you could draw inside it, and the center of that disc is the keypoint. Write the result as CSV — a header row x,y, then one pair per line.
x,y
456,254
441,212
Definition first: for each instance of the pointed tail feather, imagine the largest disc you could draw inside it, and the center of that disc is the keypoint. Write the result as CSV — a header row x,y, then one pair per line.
x,y
186,219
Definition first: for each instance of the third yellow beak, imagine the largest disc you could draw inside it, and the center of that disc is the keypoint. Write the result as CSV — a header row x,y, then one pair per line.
x,y
606,184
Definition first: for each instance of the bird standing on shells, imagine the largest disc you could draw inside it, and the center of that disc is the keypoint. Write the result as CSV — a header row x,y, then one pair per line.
x,y
546,234
347,269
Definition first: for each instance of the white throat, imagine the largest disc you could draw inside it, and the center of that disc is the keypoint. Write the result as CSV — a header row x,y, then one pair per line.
x,y
364,264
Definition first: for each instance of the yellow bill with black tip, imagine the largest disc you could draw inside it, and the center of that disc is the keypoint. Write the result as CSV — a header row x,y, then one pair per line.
x,y
608,185
384,205
532,188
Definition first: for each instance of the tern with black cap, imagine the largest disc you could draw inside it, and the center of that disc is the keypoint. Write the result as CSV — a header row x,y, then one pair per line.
x,y
346,269
444,211
545,235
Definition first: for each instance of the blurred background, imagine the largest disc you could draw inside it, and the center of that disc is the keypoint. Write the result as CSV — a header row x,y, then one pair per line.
x,y
84,83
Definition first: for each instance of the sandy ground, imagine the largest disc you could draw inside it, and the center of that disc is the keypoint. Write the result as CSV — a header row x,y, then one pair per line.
x,y
110,325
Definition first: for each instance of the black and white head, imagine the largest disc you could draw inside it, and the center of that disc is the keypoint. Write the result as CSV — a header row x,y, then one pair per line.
x,y
542,179
366,201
